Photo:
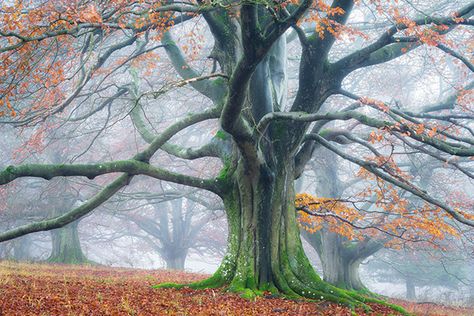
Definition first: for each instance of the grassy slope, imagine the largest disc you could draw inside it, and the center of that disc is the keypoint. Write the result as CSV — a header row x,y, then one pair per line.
x,y
34,289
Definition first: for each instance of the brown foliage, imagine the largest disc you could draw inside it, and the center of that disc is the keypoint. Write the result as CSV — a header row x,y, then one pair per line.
x,y
34,289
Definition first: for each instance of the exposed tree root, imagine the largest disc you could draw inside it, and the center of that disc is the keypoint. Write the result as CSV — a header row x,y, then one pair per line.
x,y
287,285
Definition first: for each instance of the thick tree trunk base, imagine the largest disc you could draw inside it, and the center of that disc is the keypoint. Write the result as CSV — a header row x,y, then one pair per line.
x,y
290,272
313,289
265,254
67,247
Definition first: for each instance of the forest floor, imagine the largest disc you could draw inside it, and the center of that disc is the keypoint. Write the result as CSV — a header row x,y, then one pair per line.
x,y
41,289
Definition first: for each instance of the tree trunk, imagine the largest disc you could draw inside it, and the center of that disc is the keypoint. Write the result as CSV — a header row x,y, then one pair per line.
x,y
335,265
176,263
339,256
66,245
174,256
22,249
340,263
265,252
411,291
353,280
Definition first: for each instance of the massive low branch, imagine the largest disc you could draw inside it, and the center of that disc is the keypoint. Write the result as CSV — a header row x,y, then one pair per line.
x,y
131,167
137,165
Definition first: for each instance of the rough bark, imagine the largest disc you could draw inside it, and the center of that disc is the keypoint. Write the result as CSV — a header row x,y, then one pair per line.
x,y
265,252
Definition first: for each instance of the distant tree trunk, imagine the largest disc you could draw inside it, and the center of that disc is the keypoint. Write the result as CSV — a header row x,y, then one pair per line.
x,y
340,262
173,235
18,249
176,260
66,245
335,266
411,290
176,233
339,256
22,249
340,265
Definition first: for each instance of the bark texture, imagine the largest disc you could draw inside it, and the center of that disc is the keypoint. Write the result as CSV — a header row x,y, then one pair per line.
x,y
265,252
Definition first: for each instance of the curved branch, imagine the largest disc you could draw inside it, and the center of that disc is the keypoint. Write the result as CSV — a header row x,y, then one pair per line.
x,y
369,121
160,140
208,150
306,210
386,48
120,92
442,47
131,167
373,168
71,216
455,54
214,90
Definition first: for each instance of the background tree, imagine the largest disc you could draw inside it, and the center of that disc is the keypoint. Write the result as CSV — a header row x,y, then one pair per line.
x,y
175,230
346,227
419,269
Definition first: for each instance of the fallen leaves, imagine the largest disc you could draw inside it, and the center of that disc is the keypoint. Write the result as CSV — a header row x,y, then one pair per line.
x,y
36,289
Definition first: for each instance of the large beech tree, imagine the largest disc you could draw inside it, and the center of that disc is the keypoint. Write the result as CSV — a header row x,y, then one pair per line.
x,y
57,55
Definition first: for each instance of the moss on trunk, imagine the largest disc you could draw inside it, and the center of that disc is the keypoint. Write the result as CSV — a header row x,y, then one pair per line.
x,y
265,252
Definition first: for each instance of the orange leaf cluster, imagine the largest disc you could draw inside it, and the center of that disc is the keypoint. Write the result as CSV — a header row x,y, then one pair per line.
x,y
378,104
40,52
391,215
334,214
465,99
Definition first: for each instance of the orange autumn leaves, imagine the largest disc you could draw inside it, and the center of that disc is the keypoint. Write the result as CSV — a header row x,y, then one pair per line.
x,y
36,35
42,45
391,218
32,289
331,212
